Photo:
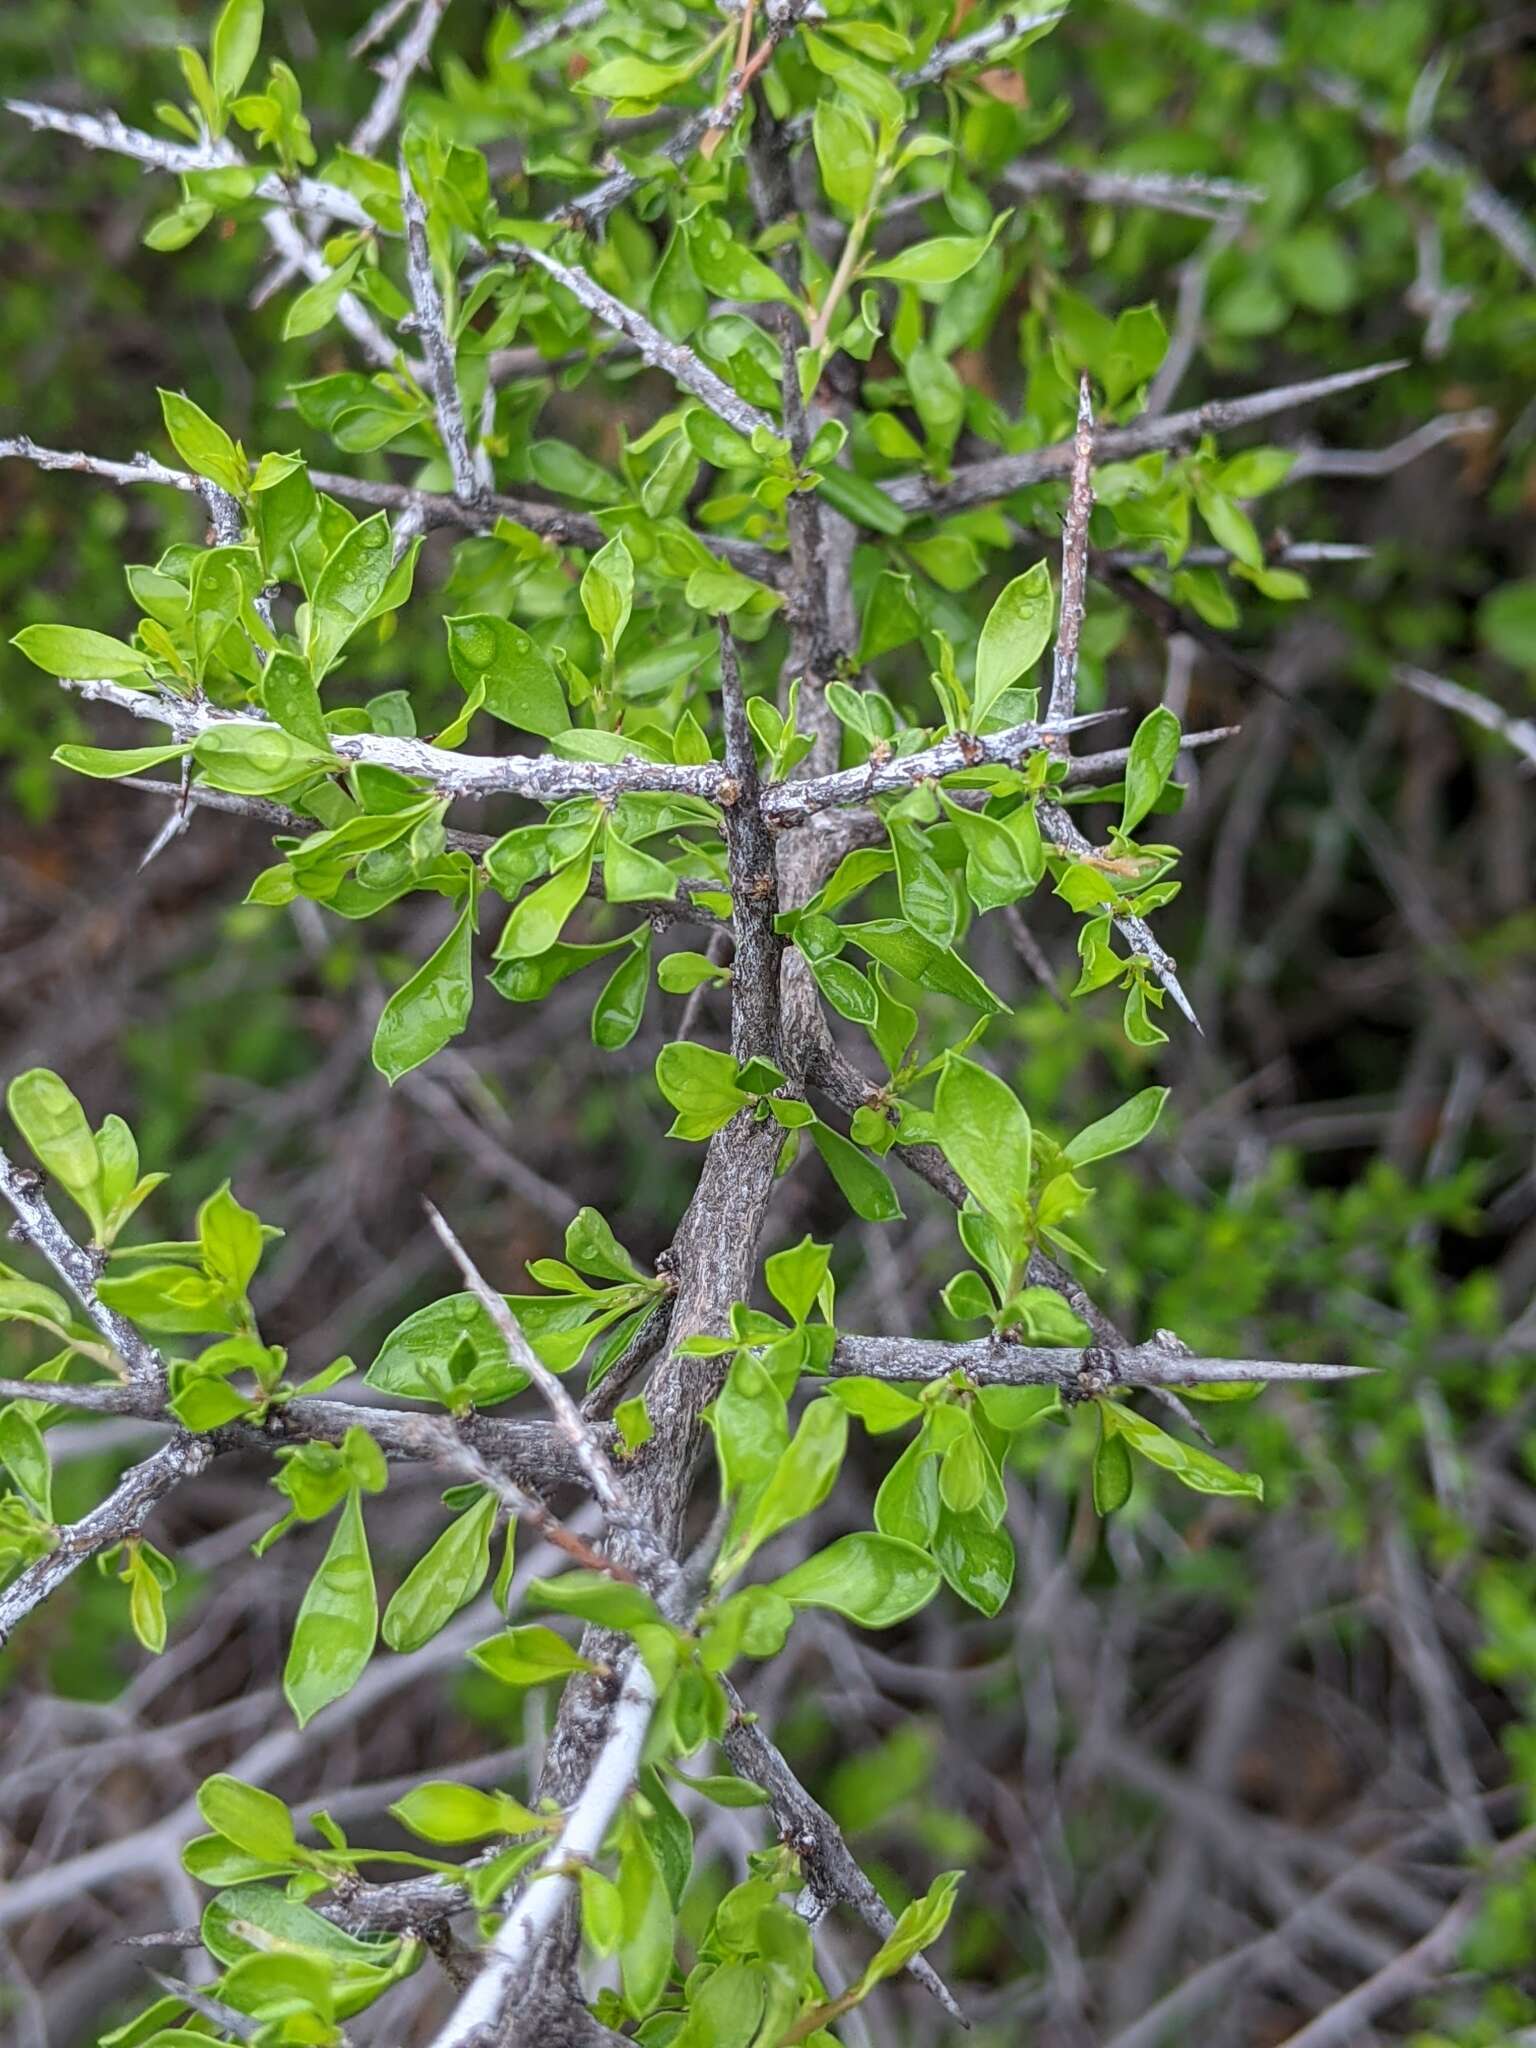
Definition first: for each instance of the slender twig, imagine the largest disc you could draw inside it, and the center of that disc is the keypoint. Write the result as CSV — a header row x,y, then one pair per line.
x,y
396,73
553,26
37,1226
1086,768
432,508
1199,198
107,131
993,1362
999,476
980,45
1373,463
122,1514
754,878
584,1438
687,370
546,778
432,326
1519,732
543,1901
1074,561
1059,826
791,803
832,1873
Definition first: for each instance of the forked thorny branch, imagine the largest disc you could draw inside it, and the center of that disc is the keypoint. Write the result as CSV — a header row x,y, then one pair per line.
x,y
784,836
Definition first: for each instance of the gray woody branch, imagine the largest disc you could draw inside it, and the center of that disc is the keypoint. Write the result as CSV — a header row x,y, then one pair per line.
x,y
107,131
1000,475
431,325
993,1362
37,1226
833,1874
546,778
429,508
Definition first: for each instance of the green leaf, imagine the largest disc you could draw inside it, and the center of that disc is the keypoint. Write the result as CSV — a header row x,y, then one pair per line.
x,y
103,764
232,52
700,1084
347,590
441,1811
1194,1468
860,500
1015,635
751,1428
430,1009
254,1820
726,267
895,945
46,1113
24,1455
1154,750
536,922
618,1011
316,306
866,1188
922,1923
203,444
591,1247
449,1348
289,694
1014,1408
996,870
845,153
231,1241
1114,1476
985,1135
338,1620
79,655
608,592
943,260
531,1655
1119,1131
521,687
795,1277
873,1580
632,1419
878,1405
800,1481
593,1596
441,1582
258,1918
927,900
850,992
679,974
645,1952
631,875
725,1791
257,760
976,1559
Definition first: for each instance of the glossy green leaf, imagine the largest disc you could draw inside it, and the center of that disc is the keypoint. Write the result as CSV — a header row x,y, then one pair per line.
x,y
519,681
871,1579
449,1575
1119,1131
986,1137
1015,635
430,1009
337,1622
866,1187
79,655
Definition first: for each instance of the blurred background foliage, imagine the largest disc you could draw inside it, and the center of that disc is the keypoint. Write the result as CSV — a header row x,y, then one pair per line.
x,y
1217,1766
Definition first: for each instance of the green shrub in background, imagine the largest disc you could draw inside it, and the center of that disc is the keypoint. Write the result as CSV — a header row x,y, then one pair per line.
x,y
781,442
